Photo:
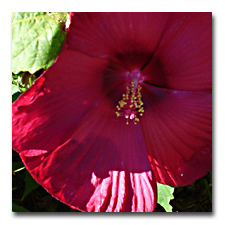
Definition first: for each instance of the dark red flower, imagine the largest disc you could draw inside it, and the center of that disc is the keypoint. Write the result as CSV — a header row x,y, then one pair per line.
x,y
126,104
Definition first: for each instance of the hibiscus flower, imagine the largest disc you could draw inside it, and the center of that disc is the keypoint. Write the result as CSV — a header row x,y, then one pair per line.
x,y
126,104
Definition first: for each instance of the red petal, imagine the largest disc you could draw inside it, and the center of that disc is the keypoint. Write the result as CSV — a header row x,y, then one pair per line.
x,y
68,136
102,167
183,59
127,38
59,100
177,126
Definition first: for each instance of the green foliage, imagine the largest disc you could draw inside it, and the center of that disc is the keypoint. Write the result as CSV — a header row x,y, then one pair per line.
x,y
15,96
165,194
18,208
31,184
37,38
17,166
22,81
14,89
208,184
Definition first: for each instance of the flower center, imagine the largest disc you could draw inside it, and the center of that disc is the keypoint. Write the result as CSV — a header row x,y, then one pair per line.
x,y
131,105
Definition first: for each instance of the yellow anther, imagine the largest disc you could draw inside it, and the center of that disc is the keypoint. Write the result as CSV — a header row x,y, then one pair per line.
x,y
130,106
122,103
118,114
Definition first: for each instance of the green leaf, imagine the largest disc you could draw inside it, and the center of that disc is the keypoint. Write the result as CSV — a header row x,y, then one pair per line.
x,y
15,96
31,184
37,38
17,166
165,194
14,89
18,208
